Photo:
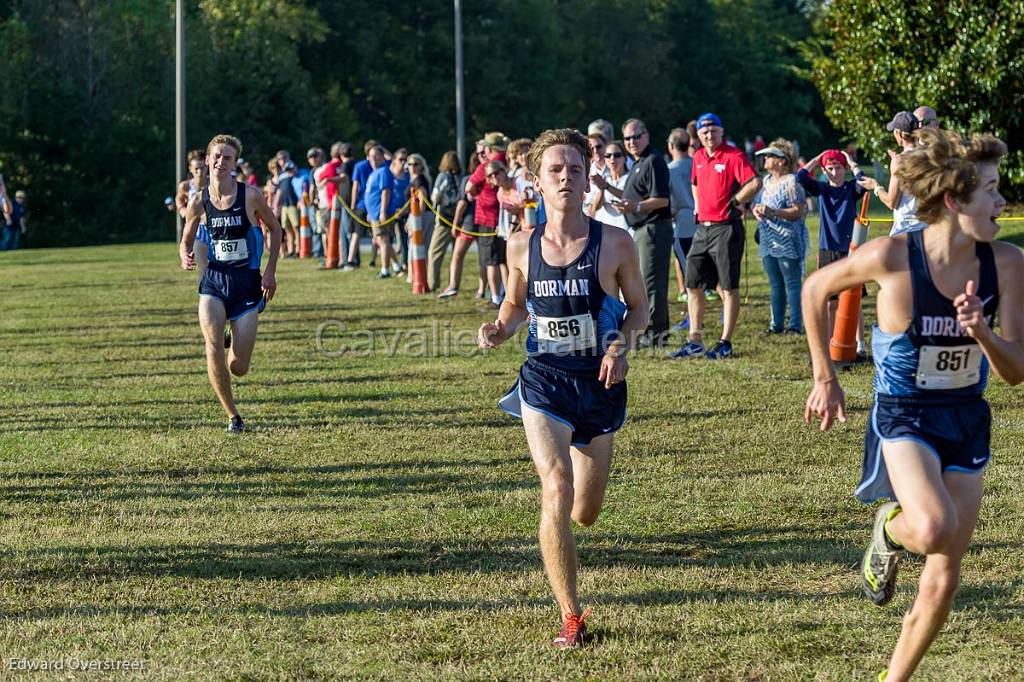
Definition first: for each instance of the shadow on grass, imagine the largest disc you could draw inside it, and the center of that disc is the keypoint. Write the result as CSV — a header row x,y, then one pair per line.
x,y
756,548
339,412
996,602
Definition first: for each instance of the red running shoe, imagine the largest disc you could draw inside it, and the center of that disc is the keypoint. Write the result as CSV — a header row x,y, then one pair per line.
x,y
573,632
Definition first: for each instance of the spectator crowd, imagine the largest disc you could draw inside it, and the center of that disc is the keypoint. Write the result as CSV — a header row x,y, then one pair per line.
x,y
691,201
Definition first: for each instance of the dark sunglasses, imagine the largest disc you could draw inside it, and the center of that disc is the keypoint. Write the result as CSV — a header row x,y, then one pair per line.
x,y
633,138
614,155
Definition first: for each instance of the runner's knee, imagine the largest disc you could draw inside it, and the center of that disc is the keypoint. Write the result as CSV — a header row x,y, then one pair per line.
x,y
938,588
557,492
934,532
239,366
585,514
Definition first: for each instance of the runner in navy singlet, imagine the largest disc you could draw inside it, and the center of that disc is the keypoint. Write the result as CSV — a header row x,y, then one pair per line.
x,y
231,288
565,279
941,292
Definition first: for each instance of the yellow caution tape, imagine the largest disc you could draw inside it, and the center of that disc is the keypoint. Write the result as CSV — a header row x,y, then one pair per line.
x,y
455,227
392,219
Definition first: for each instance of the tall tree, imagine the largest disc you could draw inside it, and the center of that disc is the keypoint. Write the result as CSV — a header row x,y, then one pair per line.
x,y
965,59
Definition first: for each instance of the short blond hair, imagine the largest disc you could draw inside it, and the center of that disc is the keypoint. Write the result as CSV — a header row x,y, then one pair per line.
x,y
944,162
517,147
787,148
229,140
557,136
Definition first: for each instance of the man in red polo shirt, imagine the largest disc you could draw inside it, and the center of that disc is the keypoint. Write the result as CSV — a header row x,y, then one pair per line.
x,y
485,215
722,180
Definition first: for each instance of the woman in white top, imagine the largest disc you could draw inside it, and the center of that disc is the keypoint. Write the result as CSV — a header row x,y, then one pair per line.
x,y
901,202
610,187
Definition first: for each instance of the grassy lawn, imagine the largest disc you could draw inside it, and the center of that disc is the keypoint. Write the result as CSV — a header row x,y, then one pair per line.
x,y
379,520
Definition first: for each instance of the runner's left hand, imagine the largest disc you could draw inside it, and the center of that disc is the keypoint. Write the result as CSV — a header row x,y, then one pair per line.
x,y
269,285
970,311
826,401
613,369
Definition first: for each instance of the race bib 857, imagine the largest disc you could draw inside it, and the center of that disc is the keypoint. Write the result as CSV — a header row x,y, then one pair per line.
x,y
231,249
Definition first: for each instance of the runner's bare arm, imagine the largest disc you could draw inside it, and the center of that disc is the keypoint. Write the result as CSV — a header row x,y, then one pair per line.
x,y
631,283
1005,351
513,309
181,198
869,262
255,204
193,214
614,365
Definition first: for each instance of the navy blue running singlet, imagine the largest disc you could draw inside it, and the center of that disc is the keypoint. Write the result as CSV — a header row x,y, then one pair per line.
x,y
934,357
572,319
235,243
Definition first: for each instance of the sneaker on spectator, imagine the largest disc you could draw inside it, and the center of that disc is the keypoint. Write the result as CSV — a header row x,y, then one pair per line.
x,y
691,349
448,292
681,325
721,350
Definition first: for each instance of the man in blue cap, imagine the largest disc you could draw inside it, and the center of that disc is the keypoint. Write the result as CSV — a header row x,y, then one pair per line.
x,y
722,180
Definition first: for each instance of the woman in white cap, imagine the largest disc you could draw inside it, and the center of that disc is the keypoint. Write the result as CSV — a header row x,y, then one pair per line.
x,y
782,234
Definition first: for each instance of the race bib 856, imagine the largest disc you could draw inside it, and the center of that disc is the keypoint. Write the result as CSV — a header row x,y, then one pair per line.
x,y
566,334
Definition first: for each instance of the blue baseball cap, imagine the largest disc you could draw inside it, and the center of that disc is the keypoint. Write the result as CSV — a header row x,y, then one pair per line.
x,y
708,119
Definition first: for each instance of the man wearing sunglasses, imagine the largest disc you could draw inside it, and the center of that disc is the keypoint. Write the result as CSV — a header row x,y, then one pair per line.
x,y
645,203
722,181
597,143
926,117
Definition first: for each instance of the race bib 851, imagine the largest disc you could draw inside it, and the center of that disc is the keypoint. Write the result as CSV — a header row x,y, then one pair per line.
x,y
944,367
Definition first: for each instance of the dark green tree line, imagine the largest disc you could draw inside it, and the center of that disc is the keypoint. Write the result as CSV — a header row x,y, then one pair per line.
x,y
966,59
87,86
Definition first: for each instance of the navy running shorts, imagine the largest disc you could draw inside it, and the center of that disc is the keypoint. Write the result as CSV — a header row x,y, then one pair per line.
x,y
241,291
958,433
580,402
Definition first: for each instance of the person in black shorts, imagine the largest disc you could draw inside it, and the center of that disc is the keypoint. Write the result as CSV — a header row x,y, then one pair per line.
x,y
928,434
231,289
565,279
722,180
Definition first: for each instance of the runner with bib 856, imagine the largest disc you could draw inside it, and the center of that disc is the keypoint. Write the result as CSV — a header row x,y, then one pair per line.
x,y
940,291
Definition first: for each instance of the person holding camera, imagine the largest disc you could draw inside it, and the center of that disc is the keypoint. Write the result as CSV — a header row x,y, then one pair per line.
x,y
902,203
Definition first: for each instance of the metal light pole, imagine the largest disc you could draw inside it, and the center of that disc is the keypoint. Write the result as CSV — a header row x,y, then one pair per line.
x,y
460,96
179,101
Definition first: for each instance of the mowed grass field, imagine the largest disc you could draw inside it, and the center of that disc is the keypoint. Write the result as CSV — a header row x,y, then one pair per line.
x,y
379,519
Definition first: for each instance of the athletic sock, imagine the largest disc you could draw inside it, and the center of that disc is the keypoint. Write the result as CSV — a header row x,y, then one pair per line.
x,y
496,300
885,528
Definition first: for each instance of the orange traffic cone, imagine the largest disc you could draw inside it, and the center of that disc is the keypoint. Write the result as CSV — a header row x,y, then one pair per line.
x,y
843,345
305,233
333,233
417,244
